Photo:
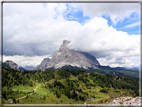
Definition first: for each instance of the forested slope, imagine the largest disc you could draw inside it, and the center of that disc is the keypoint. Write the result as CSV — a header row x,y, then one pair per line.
x,y
66,86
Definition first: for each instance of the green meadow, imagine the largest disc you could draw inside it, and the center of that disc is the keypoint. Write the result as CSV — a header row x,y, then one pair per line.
x,y
64,87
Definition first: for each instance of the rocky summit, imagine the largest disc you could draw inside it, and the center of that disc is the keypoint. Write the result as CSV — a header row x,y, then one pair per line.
x,y
66,56
11,65
43,64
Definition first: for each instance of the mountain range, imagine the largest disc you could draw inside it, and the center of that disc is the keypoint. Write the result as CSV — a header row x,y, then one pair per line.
x,y
66,57
74,60
43,64
12,65
29,68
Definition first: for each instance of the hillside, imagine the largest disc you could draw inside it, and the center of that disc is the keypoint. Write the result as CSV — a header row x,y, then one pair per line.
x,y
118,71
64,86
68,58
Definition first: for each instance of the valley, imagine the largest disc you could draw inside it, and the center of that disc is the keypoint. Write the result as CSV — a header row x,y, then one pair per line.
x,y
63,86
69,77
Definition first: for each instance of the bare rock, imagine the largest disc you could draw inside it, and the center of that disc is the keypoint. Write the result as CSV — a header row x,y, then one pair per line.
x,y
11,65
43,64
66,56
126,101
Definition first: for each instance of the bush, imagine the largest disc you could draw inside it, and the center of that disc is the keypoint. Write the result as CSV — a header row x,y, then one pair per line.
x,y
14,100
121,102
63,73
49,85
58,93
44,97
104,90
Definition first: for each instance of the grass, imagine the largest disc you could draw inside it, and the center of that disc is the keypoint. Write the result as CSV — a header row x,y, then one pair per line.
x,y
21,87
96,95
20,95
37,98
4,101
73,77
51,99
51,81
42,91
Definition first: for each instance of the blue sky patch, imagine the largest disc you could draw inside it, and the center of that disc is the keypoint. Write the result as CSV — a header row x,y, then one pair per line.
x,y
78,16
75,15
129,25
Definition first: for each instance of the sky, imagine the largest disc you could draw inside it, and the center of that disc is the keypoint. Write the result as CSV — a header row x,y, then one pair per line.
x,y
108,31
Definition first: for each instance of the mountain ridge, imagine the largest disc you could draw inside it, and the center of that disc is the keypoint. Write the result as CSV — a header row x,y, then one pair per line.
x,y
29,68
66,56
10,64
43,64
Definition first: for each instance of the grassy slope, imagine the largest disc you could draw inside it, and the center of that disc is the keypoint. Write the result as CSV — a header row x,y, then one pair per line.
x,y
37,98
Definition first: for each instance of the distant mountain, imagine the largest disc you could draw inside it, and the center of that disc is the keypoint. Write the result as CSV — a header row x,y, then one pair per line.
x,y
134,68
22,69
29,68
119,71
66,57
70,59
11,65
43,64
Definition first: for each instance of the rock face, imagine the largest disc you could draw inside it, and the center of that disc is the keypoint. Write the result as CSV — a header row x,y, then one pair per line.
x,y
126,101
66,56
43,64
11,65
22,69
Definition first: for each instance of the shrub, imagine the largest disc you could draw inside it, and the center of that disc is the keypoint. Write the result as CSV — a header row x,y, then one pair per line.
x,y
104,90
121,102
58,93
44,97
49,85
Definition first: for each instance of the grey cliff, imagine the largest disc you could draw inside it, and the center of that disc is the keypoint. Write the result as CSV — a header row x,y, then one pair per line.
x,y
66,56
43,64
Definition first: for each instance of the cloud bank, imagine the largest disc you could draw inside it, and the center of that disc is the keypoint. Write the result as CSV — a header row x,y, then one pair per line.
x,y
39,29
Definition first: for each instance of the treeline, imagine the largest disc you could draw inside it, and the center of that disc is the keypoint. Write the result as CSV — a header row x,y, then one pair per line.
x,y
117,82
70,88
108,70
12,77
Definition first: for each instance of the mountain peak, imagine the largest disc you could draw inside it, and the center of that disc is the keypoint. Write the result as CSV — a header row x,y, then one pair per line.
x,y
69,57
66,56
11,64
65,42
64,45
43,64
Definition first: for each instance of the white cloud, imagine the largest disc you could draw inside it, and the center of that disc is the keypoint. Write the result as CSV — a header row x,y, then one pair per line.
x,y
37,30
116,11
133,25
25,61
125,61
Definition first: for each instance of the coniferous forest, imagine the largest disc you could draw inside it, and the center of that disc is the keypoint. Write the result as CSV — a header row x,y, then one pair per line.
x,y
63,86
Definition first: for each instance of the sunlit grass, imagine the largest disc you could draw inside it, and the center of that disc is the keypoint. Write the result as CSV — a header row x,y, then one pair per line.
x,y
21,87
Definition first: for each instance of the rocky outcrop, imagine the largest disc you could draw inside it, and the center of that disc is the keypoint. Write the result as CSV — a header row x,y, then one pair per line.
x,y
126,101
11,65
66,56
43,64
22,69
